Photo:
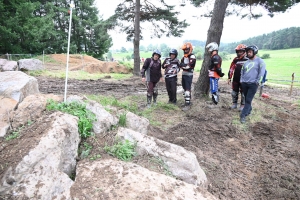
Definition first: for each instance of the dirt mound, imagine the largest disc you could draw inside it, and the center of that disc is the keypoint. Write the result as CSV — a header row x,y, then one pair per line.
x,y
84,62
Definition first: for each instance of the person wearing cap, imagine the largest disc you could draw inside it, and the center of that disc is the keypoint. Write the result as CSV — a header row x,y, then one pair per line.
x,y
171,66
151,73
252,75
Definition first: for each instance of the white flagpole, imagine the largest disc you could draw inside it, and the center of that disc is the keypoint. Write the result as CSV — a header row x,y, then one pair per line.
x,y
67,68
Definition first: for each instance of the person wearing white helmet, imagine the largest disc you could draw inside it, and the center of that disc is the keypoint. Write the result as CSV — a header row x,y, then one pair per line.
x,y
171,66
234,73
151,73
187,64
214,70
252,76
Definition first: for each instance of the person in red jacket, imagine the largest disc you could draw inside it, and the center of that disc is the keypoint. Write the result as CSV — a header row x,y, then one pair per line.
x,y
187,64
235,74
215,70
151,73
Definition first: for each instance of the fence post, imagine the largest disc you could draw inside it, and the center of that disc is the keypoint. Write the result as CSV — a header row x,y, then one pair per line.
x,y
293,76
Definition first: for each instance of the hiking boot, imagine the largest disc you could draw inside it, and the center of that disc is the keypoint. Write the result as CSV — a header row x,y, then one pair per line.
x,y
241,108
149,99
243,120
234,106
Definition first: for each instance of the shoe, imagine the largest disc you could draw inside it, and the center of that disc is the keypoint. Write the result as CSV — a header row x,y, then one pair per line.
x,y
243,120
148,105
241,108
234,106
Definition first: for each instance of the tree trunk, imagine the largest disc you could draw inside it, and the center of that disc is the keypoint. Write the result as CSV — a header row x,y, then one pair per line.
x,y
214,35
136,40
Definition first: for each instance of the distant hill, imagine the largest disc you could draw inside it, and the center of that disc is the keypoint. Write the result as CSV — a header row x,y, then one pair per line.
x,y
282,39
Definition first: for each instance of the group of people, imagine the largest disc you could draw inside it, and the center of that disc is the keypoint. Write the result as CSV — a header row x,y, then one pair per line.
x,y
246,73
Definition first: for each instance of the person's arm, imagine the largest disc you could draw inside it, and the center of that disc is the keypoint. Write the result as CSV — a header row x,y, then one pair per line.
x,y
231,69
261,71
242,73
145,67
164,66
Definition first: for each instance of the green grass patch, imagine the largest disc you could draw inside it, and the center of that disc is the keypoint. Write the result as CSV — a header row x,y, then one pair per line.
x,y
123,150
86,117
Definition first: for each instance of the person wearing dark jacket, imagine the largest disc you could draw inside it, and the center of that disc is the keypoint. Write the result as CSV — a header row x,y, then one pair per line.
x,y
151,73
234,73
187,64
215,70
171,66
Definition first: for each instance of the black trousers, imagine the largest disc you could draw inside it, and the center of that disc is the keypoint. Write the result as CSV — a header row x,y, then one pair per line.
x,y
171,85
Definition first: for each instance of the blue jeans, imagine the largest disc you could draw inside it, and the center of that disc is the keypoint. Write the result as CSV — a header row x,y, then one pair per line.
x,y
249,90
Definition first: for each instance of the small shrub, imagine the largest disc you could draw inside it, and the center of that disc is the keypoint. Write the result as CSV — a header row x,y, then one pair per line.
x,y
265,56
86,117
123,150
122,120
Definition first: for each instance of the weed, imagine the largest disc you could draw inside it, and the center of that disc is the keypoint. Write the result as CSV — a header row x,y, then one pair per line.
x,y
13,135
86,151
163,165
122,120
95,157
86,117
123,150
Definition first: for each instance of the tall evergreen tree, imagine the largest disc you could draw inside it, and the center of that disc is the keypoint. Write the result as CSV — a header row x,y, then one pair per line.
x,y
162,17
216,28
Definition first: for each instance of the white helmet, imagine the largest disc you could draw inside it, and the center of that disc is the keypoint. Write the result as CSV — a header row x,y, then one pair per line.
x,y
213,46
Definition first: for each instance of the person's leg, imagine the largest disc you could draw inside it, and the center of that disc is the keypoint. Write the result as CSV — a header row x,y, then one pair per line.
x,y
249,90
173,90
150,87
155,92
214,89
242,97
187,94
168,87
234,94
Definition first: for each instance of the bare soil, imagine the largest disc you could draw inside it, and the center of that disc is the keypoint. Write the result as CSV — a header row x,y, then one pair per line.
x,y
258,160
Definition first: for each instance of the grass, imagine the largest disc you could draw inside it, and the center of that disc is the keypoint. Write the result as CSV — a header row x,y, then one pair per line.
x,y
281,65
123,150
86,117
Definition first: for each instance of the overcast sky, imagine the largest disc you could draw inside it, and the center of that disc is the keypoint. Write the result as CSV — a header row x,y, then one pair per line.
x,y
235,29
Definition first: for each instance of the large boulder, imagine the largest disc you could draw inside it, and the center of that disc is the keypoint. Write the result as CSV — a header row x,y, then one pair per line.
x,y
47,162
112,179
104,120
182,163
137,123
30,64
7,106
8,65
30,109
17,85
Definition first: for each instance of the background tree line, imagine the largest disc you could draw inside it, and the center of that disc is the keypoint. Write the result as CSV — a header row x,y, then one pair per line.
x,y
31,26
282,39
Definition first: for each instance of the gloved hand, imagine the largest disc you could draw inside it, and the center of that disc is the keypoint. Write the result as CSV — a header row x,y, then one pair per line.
x,y
187,67
222,74
182,65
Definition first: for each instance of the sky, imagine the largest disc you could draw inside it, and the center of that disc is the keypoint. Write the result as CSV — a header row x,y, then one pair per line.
x,y
235,29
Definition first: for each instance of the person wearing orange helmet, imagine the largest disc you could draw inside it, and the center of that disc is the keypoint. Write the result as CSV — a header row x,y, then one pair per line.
x,y
187,64
234,73
215,70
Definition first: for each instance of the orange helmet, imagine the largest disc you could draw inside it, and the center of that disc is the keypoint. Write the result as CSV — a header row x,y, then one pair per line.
x,y
240,47
187,48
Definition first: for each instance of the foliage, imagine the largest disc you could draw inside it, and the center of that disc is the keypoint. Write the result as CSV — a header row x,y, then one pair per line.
x,y
282,39
86,117
43,25
85,152
13,135
123,150
265,56
122,119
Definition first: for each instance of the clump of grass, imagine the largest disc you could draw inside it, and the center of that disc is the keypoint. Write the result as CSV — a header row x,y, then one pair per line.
x,y
85,152
86,117
13,135
123,150
122,119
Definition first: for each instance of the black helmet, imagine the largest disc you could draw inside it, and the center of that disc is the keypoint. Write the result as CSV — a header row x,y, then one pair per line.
x,y
173,51
156,52
253,48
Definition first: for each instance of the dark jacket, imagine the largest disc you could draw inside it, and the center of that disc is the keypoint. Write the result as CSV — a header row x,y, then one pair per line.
x,y
151,70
